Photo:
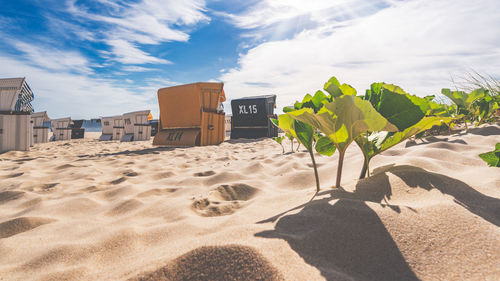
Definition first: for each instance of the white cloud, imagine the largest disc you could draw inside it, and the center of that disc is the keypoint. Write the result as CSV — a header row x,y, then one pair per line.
x,y
51,58
134,68
415,44
146,22
127,53
62,93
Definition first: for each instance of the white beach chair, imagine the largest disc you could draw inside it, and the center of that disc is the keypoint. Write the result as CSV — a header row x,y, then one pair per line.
x,y
107,124
118,128
15,110
136,126
61,128
40,132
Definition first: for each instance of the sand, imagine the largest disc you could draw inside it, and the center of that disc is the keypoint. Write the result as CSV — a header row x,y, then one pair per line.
x,y
90,210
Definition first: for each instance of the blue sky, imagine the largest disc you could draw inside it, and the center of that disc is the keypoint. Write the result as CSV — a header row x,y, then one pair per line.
x,y
87,59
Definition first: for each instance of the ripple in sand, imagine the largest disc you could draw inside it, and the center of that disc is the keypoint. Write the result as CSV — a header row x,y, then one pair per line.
x,y
65,166
163,175
14,175
22,224
156,192
7,196
231,262
125,207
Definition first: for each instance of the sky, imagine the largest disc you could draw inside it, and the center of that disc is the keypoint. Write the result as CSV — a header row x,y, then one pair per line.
x,y
87,59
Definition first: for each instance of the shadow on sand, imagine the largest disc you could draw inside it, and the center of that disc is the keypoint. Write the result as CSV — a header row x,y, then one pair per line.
x,y
345,239
146,151
433,140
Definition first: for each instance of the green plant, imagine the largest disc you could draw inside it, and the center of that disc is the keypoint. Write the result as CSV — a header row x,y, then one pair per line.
x,y
464,103
343,119
304,134
492,157
406,112
280,141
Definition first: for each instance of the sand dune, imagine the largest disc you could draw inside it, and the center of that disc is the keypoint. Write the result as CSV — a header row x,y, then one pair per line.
x,y
90,210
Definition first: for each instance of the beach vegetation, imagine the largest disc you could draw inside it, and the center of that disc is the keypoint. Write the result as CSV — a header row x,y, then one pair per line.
x,y
406,112
492,157
343,119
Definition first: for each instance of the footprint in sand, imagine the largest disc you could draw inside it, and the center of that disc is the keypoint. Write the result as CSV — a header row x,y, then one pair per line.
x,y
130,174
43,188
22,224
224,200
204,174
118,180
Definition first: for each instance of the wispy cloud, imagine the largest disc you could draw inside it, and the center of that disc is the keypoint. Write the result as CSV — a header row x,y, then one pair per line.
x,y
125,26
127,53
277,19
51,58
134,68
416,44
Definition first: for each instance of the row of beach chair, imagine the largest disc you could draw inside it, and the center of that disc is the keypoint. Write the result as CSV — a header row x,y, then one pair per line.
x,y
132,126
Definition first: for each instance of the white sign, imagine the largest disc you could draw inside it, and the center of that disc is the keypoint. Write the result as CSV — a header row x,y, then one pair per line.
x,y
250,109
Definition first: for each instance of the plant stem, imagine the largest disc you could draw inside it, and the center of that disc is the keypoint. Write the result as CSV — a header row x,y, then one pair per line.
x,y
315,170
466,128
339,168
291,142
282,147
364,169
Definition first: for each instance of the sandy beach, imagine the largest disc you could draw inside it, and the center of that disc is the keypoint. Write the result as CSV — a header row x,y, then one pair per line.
x,y
90,210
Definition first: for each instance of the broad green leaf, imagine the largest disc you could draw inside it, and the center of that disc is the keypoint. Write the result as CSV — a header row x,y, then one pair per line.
x,y
474,96
458,97
492,157
304,134
306,102
305,115
333,87
373,95
324,146
286,123
399,108
275,122
348,90
344,119
430,97
319,99
288,109
423,125
278,139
